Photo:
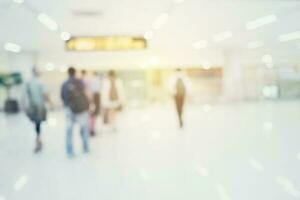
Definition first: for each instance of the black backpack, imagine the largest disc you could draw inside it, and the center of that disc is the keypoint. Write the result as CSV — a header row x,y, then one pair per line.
x,y
77,99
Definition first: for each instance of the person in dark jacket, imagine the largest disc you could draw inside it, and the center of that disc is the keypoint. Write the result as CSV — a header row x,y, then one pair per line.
x,y
76,108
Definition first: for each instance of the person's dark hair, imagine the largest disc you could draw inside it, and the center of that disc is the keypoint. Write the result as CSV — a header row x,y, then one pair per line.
x,y
83,72
71,71
111,73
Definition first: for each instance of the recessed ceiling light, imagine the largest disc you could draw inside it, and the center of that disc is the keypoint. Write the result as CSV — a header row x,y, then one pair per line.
x,y
200,44
12,47
160,21
65,36
19,1
222,36
255,44
47,21
261,22
289,36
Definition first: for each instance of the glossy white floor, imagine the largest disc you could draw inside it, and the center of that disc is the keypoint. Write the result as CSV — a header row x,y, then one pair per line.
x,y
233,152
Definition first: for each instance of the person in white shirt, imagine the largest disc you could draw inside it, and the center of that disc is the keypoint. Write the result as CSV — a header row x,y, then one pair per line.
x,y
112,98
180,88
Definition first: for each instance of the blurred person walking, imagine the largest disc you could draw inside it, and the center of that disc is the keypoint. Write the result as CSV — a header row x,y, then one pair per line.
x,y
86,80
180,87
76,104
113,97
36,98
92,88
95,107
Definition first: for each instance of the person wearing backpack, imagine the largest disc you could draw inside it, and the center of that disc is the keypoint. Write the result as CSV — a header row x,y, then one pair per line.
x,y
35,99
76,105
180,87
112,98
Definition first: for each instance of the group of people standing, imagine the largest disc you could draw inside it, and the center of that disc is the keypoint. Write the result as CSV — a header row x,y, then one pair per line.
x,y
84,98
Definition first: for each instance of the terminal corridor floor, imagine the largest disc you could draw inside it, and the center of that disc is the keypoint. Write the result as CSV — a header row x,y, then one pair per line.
x,y
226,152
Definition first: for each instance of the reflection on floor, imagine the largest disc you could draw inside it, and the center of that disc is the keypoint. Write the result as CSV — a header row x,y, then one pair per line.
x,y
247,151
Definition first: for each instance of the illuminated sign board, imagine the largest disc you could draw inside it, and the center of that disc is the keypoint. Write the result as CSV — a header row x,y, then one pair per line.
x,y
106,43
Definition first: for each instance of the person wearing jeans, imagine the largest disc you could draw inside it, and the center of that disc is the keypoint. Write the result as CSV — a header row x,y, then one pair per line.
x,y
82,120
76,105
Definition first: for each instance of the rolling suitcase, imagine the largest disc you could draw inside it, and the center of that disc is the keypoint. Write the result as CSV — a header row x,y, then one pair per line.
x,y
11,106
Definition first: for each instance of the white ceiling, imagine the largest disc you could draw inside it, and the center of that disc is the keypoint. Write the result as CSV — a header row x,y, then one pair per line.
x,y
188,22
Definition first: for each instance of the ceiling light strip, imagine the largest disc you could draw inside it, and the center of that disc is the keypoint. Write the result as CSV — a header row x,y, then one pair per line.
x,y
12,47
289,36
261,22
47,21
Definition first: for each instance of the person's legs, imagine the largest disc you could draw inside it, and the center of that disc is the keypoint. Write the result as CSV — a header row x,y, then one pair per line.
x,y
38,146
92,119
112,118
93,114
106,116
82,119
97,104
69,132
179,101
38,129
177,108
